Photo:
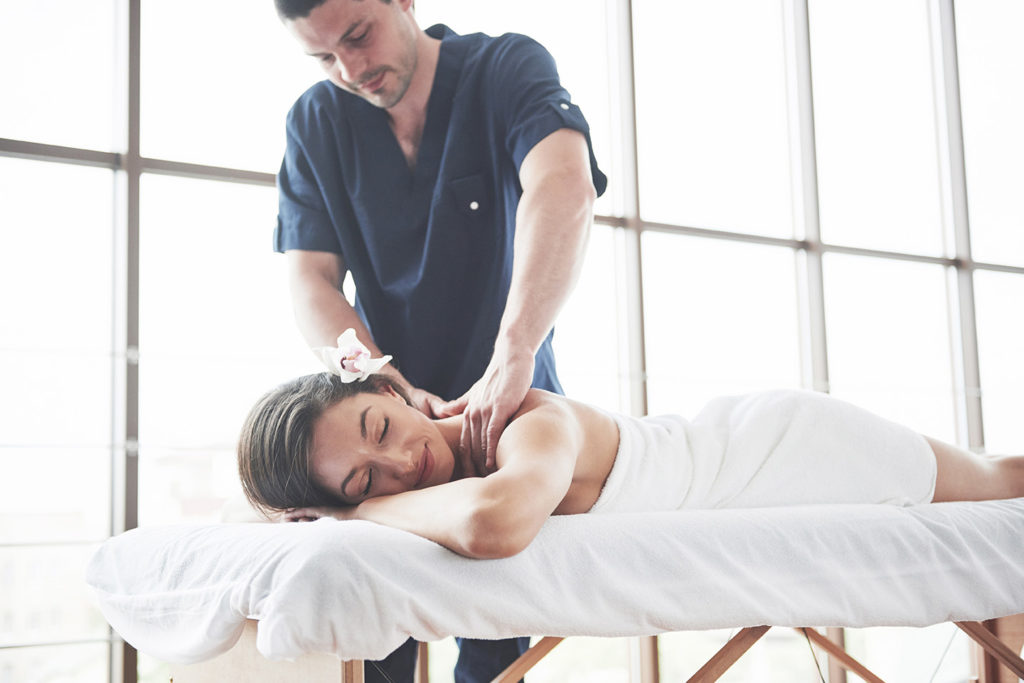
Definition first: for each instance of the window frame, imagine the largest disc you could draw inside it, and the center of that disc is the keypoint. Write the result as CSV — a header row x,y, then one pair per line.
x,y
628,225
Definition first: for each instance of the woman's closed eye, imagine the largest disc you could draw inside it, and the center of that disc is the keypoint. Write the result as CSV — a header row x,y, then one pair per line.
x,y
384,430
369,483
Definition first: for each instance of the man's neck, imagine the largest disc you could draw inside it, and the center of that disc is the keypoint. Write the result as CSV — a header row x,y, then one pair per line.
x,y
411,112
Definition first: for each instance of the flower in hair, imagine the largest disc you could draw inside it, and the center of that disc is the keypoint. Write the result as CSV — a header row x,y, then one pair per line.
x,y
350,359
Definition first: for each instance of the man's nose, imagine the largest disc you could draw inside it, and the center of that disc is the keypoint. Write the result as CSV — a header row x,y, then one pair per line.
x,y
350,68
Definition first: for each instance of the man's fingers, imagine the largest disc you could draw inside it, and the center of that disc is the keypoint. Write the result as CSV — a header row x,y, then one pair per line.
x,y
456,407
464,449
437,406
475,423
493,433
465,461
495,427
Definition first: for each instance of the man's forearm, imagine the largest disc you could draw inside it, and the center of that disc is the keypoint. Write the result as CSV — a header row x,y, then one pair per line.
x,y
552,228
321,310
322,313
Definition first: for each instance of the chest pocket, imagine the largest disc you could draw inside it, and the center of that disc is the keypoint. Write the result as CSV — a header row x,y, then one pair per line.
x,y
472,196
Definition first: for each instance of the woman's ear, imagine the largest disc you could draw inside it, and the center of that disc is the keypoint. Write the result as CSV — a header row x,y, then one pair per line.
x,y
389,390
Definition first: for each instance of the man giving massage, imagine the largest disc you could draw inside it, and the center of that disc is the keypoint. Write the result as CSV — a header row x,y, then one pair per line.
x,y
348,444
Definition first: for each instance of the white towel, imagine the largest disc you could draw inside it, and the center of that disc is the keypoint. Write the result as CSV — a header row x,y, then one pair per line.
x,y
182,593
767,449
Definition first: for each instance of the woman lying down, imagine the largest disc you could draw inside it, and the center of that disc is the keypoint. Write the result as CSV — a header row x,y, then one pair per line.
x,y
325,445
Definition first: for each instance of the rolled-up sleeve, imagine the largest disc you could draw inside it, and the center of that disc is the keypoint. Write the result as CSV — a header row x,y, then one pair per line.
x,y
532,103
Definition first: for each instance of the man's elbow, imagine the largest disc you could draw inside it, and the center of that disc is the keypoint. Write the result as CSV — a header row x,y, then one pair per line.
x,y
579,191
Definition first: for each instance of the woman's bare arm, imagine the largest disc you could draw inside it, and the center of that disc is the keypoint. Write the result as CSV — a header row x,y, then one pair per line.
x,y
494,516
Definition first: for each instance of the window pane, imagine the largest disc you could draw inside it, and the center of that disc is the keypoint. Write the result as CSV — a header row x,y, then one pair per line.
x,y
216,326
906,654
888,340
581,54
59,66
55,399
875,125
210,282
56,262
217,81
151,670
712,126
991,62
75,485
781,655
43,597
87,663
585,659
201,402
186,485
720,317
998,298
586,332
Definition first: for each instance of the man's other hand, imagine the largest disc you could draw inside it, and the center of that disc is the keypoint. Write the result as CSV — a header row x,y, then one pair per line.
x,y
487,407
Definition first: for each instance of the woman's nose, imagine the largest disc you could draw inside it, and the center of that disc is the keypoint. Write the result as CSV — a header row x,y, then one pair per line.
x,y
401,463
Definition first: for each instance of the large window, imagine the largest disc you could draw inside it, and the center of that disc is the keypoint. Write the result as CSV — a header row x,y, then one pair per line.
x,y
802,193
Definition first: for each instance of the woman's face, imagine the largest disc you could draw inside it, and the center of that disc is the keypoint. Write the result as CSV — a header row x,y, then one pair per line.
x,y
374,445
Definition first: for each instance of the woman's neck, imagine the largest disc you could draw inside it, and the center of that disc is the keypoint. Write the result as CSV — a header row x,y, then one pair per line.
x,y
451,432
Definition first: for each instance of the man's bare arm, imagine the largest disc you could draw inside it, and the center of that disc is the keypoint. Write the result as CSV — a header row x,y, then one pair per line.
x,y
552,226
322,312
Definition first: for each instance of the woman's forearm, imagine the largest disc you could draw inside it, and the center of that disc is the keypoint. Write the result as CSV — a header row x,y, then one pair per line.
x,y
470,517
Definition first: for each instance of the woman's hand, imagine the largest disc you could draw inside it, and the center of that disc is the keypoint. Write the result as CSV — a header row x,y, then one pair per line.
x,y
311,514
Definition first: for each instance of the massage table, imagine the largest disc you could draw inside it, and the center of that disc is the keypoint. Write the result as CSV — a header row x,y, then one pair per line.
x,y
331,593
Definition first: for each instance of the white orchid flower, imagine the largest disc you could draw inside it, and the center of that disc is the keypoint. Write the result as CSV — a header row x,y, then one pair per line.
x,y
350,359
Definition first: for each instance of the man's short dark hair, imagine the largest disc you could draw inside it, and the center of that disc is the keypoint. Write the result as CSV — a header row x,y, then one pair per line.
x,y
288,10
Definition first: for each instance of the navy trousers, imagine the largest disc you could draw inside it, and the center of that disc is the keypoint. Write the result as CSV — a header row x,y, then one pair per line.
x,y
479,661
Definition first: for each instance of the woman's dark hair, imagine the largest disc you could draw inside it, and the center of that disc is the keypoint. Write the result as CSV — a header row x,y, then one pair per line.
x,y
274,447
288,10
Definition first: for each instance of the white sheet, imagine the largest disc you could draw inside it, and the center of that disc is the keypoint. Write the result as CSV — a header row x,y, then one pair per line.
x,y
182,593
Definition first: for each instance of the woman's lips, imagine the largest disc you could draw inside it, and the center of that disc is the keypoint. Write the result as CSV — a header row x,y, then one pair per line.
x,y
426,466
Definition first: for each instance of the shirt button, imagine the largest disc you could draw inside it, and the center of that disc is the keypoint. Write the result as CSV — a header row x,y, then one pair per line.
x,y
473,206
563,105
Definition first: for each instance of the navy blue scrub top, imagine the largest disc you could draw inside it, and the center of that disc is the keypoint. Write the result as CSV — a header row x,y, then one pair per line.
x,y
430,250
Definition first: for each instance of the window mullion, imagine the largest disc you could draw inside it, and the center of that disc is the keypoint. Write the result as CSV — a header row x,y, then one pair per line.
x,y
804,184
953,192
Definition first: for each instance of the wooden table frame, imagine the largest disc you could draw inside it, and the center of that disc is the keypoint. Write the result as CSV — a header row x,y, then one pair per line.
x,y
998,663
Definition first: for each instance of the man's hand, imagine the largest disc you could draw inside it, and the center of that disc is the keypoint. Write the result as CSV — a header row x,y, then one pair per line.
x,y
487,407
427,403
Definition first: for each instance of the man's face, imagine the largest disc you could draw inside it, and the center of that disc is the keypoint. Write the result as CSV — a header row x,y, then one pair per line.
x,y
365,46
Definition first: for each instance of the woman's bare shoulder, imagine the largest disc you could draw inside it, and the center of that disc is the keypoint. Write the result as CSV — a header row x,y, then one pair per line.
x,y
540,403
570,415
590,434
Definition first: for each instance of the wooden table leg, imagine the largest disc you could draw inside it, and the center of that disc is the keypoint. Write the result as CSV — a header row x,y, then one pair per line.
x,y
841,656
352,671
995,647
527,660
422,672
727,656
